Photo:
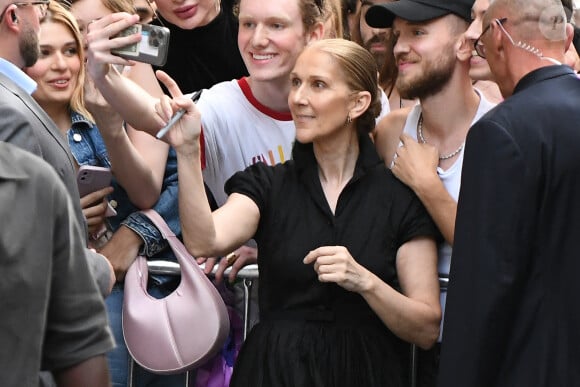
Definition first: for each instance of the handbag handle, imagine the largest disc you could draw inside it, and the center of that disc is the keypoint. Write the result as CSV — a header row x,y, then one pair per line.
x,y
158,221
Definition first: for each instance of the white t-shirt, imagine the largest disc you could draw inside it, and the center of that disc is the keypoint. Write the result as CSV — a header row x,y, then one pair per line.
x,y
239,131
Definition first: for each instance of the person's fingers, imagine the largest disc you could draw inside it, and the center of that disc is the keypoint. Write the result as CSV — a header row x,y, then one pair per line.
x,y
169,83
209,264
219,274
95,196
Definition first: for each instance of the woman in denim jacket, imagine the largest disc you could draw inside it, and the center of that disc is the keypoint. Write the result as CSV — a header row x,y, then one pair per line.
x,y
60,76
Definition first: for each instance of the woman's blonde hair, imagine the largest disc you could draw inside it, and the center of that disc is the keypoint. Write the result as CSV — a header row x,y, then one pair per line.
x,y
359,71
57,13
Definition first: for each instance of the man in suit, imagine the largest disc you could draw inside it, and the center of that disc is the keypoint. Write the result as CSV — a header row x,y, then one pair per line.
x,y
24,123
512,312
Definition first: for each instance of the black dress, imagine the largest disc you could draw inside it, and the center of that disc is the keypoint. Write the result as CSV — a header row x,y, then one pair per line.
x,y
312,333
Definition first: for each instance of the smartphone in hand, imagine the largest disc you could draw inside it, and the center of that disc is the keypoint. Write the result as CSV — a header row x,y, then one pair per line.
x,y
152,48
91,179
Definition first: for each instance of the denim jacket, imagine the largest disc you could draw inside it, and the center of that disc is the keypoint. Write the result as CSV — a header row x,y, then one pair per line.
x,y
88,148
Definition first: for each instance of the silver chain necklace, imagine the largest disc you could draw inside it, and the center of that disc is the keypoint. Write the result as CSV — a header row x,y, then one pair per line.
x,y
443,157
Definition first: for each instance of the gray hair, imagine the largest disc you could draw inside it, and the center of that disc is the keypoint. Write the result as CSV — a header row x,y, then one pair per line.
x,y
535,19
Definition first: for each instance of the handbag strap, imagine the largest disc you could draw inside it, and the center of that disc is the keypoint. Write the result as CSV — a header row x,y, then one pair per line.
x,y
158,221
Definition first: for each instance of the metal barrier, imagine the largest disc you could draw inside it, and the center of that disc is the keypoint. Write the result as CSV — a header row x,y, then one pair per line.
x,y
443,283
250,273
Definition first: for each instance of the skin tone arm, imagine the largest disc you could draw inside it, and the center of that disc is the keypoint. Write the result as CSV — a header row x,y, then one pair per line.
x,y
133,103
205,234
413,315
92,372
416,165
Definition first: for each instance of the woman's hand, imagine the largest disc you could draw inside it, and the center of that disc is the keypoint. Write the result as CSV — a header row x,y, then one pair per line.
x,y
94,207
243,256
101,40
335,264
184,135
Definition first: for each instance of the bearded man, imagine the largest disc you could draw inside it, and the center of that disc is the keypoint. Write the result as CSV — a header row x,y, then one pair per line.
x,y
424,145
54,317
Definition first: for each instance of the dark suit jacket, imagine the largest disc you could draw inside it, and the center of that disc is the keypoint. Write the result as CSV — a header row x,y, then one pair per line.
x,y
513,305
25,124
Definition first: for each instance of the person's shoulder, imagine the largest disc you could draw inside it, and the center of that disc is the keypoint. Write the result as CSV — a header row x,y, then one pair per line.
x,y
219,96
394,121
19,163
388,130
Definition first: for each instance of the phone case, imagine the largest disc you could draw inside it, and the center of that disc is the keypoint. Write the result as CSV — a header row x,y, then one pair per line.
x,y
91,179
153,47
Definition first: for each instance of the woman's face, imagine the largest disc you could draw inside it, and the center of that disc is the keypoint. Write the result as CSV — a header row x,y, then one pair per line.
x,y
86,11
188,14
319,98
57,69
270,37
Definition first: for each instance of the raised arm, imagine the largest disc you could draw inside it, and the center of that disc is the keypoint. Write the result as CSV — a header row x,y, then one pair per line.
x,y
136,105
416,166
204,234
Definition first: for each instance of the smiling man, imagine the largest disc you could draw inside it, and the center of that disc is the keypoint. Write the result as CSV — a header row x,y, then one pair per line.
x,y
424,145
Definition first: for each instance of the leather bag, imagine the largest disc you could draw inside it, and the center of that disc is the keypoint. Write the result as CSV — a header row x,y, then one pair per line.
x,y
181,331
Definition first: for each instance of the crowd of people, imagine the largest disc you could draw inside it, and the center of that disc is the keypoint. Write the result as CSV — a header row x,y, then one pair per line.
x,y
359,152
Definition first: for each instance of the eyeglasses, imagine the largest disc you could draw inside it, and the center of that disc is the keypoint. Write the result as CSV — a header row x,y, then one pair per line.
x,y
479,46
41,4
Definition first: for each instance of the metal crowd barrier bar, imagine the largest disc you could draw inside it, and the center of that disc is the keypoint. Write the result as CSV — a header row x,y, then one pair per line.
x,y
250,273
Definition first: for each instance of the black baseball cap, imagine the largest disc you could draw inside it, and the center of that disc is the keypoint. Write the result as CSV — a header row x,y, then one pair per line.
x,y
382,15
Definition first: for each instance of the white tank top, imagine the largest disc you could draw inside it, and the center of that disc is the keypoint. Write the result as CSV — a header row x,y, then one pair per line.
x,y
451,179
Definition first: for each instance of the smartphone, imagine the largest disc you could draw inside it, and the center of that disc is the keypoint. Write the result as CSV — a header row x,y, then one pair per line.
x,y
91,179
152,48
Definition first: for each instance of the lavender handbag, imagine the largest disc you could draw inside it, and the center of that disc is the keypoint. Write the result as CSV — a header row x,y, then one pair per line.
x,y
181,331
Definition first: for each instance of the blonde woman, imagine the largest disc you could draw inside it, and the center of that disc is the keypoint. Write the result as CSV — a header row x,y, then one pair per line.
x,y
347,252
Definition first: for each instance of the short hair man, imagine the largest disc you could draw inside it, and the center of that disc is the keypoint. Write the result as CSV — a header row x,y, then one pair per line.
x,y
512,314
424,145
54,318
23,122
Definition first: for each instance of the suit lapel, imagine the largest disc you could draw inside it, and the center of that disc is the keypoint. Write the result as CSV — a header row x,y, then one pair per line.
x,y
37,110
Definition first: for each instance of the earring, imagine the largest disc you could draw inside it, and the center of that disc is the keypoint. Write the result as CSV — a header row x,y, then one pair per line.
x,y
348,119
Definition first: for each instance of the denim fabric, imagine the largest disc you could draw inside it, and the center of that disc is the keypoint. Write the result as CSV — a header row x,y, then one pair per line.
x,y
88,148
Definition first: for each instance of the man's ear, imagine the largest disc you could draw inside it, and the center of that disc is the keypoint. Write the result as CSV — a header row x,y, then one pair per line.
x,y
9,18
315,33
569,36
464,48
495,40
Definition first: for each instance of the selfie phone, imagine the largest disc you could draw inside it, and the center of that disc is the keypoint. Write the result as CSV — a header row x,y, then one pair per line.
x,y
91,179
152,48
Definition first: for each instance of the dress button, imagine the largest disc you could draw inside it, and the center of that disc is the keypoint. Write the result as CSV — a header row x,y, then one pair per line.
x,y
113,203
77,137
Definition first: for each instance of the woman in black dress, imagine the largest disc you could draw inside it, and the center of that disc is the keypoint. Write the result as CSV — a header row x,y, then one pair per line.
x,y
347,252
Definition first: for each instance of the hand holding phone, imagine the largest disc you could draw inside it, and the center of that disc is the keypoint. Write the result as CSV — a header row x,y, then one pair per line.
x,y
152,48
91,179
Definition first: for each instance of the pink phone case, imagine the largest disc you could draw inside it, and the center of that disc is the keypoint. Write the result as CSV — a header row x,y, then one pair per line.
x,y
91,179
